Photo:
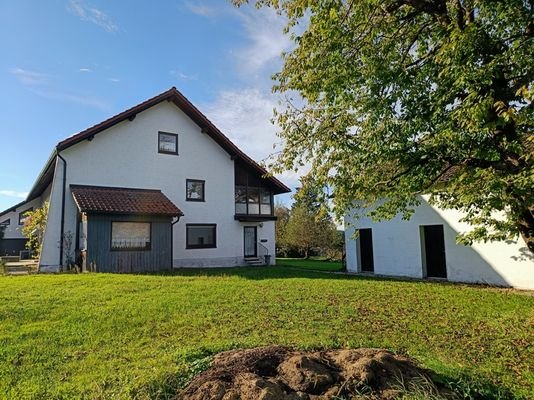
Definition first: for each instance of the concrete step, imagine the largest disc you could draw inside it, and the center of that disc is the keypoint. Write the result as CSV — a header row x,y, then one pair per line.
x,y
253,261
20,268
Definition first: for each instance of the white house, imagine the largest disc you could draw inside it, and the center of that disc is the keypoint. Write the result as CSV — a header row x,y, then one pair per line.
x,y
155,186
425,247
11,221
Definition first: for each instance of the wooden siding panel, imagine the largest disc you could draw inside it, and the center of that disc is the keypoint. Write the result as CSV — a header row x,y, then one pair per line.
x,y
99,246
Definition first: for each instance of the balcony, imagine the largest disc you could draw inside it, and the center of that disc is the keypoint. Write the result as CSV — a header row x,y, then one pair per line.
x,y
253,204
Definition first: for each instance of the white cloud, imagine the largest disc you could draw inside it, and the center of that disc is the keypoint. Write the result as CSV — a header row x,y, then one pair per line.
x,y
245,117
73,98
13,193
201,10
92,14
85,70
244,114
183,76
266,41
115,80
28,77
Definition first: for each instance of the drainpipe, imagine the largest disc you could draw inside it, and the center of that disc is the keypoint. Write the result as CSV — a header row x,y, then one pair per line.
x,y
172,236
62,227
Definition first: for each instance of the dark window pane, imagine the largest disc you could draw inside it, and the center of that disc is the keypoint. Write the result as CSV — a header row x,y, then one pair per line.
x,y
201,236
168,143
240,194
253,195
195,190
265,197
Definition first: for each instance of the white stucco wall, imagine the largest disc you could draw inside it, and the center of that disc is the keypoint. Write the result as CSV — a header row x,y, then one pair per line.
x,y
126,155
397,250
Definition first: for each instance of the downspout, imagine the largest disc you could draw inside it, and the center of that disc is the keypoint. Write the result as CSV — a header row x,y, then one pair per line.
x,y
62,226
172,237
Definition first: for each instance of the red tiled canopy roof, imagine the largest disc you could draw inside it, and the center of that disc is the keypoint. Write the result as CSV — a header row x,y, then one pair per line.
x,y
116,200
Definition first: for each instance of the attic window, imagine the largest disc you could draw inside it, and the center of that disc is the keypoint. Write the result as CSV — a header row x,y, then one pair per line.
x,y
167,143
6,222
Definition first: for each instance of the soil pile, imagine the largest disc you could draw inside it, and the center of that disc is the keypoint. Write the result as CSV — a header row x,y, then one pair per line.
x,y
273,373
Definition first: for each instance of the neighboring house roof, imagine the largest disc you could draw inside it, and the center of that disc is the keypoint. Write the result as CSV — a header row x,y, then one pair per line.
x,y
187,107
13,208
116,200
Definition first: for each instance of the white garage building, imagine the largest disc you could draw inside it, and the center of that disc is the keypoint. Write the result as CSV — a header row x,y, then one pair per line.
x,y
425,247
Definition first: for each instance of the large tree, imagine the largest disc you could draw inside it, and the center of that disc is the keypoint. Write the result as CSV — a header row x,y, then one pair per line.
x,y
397,98
309,227
282,213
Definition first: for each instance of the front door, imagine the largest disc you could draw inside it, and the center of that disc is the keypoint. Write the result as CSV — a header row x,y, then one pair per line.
x,y
434,251
251,239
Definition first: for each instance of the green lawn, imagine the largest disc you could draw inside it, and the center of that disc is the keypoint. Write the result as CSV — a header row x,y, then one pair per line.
x,y
139,336
311,264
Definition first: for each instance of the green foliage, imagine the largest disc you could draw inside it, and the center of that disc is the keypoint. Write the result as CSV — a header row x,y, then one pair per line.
x,y
34,227
397,98
282,214
309,226
141,336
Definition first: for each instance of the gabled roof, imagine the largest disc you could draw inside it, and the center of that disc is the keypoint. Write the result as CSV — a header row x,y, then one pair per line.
x,y
174,95
117,200
192,112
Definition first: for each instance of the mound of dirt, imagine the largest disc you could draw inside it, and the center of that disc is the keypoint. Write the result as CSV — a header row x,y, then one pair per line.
x,y
272,373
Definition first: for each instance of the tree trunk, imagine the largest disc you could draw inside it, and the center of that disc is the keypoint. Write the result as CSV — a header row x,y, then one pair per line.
x,y
307,253
526,227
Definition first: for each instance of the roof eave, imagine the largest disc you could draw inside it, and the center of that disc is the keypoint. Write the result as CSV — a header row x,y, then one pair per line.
x,y
32,194
192,112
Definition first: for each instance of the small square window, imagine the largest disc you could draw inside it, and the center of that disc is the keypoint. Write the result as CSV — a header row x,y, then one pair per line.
x,y
195,190
6,222
167,143
23,216
201,236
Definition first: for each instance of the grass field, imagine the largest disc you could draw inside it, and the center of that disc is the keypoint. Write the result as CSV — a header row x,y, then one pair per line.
x,y
141,336
314,264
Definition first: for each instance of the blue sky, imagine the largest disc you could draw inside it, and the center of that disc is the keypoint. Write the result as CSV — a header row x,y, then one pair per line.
x,y
68,64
